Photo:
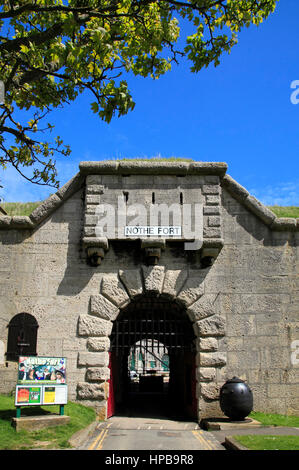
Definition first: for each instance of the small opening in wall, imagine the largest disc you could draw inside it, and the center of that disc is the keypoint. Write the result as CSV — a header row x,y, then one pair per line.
x,y
126,196
181,198
153,198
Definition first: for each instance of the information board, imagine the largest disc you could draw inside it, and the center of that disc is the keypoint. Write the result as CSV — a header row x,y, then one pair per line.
x,y
41,381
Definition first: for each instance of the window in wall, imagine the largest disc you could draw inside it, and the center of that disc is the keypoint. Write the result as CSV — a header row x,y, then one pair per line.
x,y
22,336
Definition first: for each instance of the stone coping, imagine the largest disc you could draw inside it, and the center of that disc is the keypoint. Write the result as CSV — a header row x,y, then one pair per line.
x,y
141,167
237,191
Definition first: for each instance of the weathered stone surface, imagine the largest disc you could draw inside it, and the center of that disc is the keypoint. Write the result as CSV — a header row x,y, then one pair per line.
x,y
153,278
21,222
45,209
284,224
259,209
114,290
234,188
103,308
173,281
211,359
131,278
96,359
98,344
192,290
205,306
208,344
210,391
206,374
97,374
93,326
212,326
87,391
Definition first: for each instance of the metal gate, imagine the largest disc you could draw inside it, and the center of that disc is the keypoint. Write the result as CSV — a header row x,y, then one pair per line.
x,y
154,322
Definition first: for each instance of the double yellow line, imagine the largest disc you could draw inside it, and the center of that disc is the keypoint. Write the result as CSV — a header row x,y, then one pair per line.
x,y
207,445
97,444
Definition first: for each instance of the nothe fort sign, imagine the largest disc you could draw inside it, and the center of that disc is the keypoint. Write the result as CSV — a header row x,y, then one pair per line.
x,y
174,254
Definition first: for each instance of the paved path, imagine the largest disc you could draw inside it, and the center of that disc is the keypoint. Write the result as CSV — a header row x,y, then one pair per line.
x,y
122,433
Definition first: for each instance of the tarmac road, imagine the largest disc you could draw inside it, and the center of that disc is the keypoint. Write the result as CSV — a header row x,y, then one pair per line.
x,y
123,433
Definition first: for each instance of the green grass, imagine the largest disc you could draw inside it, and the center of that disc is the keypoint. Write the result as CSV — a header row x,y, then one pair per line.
x,y
270,442
25,208
20,208
285,211
156,159
49,438
268,419
263,442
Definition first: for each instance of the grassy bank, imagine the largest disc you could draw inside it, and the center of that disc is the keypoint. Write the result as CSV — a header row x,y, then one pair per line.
x,y
268,419
271,442
50,438
20,208
256,442
25,208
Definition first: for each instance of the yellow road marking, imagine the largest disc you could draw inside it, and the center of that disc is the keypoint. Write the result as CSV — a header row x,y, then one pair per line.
x,y
207,445
95,442
99,439
100,444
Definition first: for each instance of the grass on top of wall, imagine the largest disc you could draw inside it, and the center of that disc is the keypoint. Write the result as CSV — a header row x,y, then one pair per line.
x,y
26,208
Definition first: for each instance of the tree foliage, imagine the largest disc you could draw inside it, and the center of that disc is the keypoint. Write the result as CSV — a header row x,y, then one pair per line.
x,y
53,50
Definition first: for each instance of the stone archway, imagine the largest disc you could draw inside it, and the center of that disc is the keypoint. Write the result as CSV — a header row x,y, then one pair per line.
x,y
185,287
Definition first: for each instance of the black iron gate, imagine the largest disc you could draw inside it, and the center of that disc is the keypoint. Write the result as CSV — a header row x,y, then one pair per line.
x,y
158,323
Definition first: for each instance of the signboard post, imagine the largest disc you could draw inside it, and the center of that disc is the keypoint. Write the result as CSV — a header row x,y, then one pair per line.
x,y
41,381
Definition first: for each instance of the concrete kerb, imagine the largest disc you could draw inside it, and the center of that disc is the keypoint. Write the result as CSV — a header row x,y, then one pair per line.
x,y
232,444
80,437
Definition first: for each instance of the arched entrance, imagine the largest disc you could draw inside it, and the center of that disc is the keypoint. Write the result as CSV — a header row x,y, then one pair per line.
x,y
152,361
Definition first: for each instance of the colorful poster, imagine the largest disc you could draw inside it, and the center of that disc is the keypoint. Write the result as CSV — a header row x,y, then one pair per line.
x,y
43,370
26,395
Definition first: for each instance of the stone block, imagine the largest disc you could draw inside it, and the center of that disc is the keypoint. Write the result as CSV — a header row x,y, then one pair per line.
x,y
206,374
259,209
211,210
131,278
173,281
210,189
93,359
192,290
98,344
98,374
113,290
204,307
212,326
211,359
87,391
45,209
93,326
102,307
212,200
214,221
209,391
153,277
208,344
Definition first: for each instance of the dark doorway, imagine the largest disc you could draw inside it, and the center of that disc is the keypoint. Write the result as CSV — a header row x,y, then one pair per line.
x,y
152,361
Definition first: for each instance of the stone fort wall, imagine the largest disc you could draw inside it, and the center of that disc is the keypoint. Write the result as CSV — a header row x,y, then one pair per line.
x,y
244,307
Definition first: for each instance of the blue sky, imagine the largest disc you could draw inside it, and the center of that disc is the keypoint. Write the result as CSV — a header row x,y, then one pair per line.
x,y
239,112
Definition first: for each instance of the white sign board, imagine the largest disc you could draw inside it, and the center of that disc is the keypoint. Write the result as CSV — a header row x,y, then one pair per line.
x,y
153,231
